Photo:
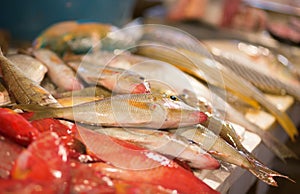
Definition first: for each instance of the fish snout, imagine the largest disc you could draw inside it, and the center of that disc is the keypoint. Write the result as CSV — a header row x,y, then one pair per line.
x,y
200,116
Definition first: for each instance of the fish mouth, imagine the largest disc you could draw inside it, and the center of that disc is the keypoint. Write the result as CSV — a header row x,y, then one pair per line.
x,y
141,88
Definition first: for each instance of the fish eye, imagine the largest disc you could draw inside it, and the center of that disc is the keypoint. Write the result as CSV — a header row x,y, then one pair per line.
x,y
172,97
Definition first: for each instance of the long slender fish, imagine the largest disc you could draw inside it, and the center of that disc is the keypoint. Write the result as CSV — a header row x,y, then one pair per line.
x,y
261,80
115,79
60,74
222,150
23,88
131,110
31,67
186,60
165,143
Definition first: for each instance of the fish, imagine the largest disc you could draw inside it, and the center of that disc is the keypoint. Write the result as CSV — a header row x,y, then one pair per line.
x,y
84,36
166,144
222,150
31,67
249,70
60,74
24,90
234,83
72,35
201,96
4,96
115,79
129,110
128,161
15,127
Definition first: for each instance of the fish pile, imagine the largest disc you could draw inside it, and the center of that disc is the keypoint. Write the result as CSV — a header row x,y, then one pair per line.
x,y
91,108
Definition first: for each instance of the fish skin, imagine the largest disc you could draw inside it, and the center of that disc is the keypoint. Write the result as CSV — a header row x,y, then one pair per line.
x,y
24,90
60,74
222,150
233,82
131,110
166,144
92,91
31,67
72,101
114,79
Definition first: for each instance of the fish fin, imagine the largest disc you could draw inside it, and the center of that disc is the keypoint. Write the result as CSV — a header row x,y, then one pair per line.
x,y
40,112
264,173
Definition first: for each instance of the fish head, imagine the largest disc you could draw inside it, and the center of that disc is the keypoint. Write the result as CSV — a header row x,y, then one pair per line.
x,y
178,113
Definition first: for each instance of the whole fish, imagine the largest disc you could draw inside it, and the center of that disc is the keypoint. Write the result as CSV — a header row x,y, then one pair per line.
x,y
186,60
60,74
220,149
131,110
31,67
72,35
22,88
263,59
4,96
115,79
264,81
166,144
200,96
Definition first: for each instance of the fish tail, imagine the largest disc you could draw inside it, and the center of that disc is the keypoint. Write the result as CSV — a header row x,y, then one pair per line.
x,y
264,173
40,112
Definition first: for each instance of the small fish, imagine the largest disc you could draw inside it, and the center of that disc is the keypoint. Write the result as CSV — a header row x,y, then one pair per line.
x,y
263,81
76,36
60,74
24,90
131,110
222,150
15,127
31,67
115,79
166,144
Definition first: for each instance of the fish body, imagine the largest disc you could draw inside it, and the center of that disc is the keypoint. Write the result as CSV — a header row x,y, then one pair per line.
x,y
115,79
131,110
31,67
72,35
92,91
222,150
166,144
60,74
22,88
